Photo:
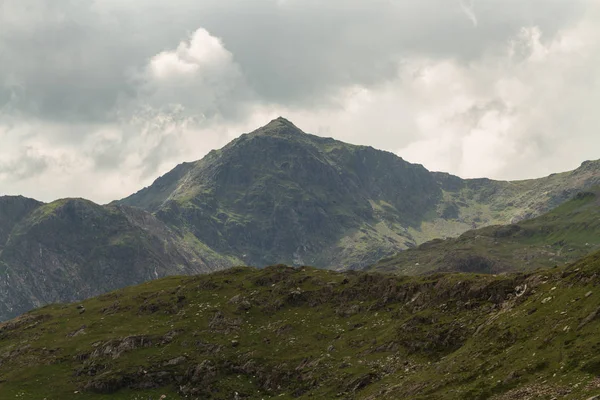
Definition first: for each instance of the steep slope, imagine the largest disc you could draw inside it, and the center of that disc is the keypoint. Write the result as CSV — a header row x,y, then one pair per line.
x,y
281,195
561,236
301,333
73,249
12,210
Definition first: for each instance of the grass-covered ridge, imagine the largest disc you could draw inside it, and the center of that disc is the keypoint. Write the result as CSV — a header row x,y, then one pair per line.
x,y
563,235
303,333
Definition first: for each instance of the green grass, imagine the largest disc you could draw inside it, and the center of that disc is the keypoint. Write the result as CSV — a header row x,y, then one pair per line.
x,y
306,333
46,210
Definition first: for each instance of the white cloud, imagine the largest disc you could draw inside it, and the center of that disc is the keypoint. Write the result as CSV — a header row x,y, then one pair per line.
x,y
112,161
523,110
199,79
204,54
177,116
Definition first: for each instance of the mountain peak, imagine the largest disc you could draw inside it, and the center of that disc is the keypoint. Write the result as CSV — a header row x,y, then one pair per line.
x,y
279,126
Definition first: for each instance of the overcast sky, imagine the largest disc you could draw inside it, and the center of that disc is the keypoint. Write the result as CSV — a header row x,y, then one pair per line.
x,y
98,98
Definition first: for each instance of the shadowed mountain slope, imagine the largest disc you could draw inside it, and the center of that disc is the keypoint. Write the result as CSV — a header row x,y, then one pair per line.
x,y
73,249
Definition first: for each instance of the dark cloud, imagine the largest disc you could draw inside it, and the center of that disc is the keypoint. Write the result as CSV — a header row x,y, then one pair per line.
x,y
76,60
299,52
63,60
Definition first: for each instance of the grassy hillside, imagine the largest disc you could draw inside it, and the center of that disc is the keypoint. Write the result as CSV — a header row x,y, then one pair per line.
x,y
468,204
303,333
563,235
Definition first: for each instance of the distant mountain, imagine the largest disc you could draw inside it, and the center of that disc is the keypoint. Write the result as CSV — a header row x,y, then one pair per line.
x,y
281,195
561,236
302,333
73,249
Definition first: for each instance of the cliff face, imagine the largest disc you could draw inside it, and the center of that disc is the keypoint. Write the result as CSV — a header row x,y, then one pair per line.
x,y
73,249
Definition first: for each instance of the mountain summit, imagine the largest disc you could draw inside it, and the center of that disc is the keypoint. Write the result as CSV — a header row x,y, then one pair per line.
x,y
281,195
279,126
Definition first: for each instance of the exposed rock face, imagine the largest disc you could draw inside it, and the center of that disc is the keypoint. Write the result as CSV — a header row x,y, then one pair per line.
x,y
73,249
281,195
12,210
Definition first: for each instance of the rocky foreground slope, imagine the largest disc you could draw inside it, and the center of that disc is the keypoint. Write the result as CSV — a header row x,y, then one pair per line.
x,y
302,333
